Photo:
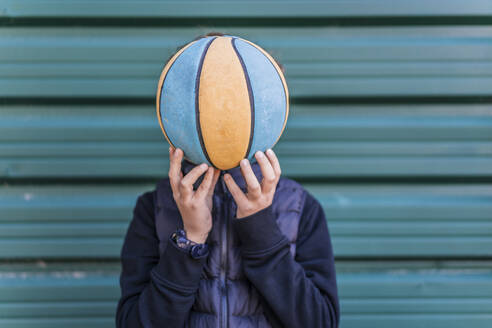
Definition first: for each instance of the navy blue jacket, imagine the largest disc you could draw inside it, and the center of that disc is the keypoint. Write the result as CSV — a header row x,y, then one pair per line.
x,y
274,268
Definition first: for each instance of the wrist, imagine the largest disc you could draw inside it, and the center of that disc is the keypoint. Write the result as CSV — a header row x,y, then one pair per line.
x,y
259,231
196,250
197,237
240,214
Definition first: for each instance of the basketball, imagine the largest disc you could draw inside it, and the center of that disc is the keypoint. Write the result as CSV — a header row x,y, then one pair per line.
x,y
221,99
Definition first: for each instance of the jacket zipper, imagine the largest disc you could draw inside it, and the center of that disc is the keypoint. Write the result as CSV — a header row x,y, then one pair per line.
x,y
223,260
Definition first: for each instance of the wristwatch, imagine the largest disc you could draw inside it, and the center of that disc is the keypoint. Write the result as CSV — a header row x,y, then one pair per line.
x,y
196,250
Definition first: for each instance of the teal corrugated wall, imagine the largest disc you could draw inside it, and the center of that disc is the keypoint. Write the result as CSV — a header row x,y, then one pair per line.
x,y
390,128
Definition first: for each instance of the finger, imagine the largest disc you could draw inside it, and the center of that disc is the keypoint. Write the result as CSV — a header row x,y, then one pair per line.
x,y
269,178
274,161
235,191
254,187
205,185
186,184
172,151
175,173
214,182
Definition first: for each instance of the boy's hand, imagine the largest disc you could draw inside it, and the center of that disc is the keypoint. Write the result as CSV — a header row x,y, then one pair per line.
x,y
195,206
259,196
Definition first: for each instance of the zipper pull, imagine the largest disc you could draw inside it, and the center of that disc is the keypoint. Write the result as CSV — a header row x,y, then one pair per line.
x,y
222,182
225,190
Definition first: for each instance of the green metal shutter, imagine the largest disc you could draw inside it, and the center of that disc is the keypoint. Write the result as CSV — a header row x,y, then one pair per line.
x,y
390,128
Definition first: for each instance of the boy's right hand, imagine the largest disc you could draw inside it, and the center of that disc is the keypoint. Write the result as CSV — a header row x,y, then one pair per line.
x,y
195,207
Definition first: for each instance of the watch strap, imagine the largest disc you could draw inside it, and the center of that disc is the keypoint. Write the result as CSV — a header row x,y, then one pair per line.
x,y
194,249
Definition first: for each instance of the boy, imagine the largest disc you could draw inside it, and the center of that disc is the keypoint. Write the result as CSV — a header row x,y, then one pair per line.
x,y
243,247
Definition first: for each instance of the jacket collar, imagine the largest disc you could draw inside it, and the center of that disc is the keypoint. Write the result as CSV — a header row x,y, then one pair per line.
x,y
187,166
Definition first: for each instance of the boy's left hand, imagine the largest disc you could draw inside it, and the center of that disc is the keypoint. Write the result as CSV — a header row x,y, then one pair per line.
x,y
259,195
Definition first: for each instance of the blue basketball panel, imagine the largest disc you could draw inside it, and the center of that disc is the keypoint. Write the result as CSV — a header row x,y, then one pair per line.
x,y
269,97
177,103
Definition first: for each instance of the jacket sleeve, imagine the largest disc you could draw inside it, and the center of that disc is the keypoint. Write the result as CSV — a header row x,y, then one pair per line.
x,y
300,291
155,289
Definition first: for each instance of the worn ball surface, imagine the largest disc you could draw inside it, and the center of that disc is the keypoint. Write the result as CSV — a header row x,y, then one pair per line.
x,y
220,99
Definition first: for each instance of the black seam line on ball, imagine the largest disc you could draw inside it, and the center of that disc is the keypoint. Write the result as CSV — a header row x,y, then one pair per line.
x,y
197,109
251,97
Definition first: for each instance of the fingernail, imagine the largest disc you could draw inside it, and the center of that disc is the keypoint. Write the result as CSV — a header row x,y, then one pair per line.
x,y
203,165
259,153
269,151
244,162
